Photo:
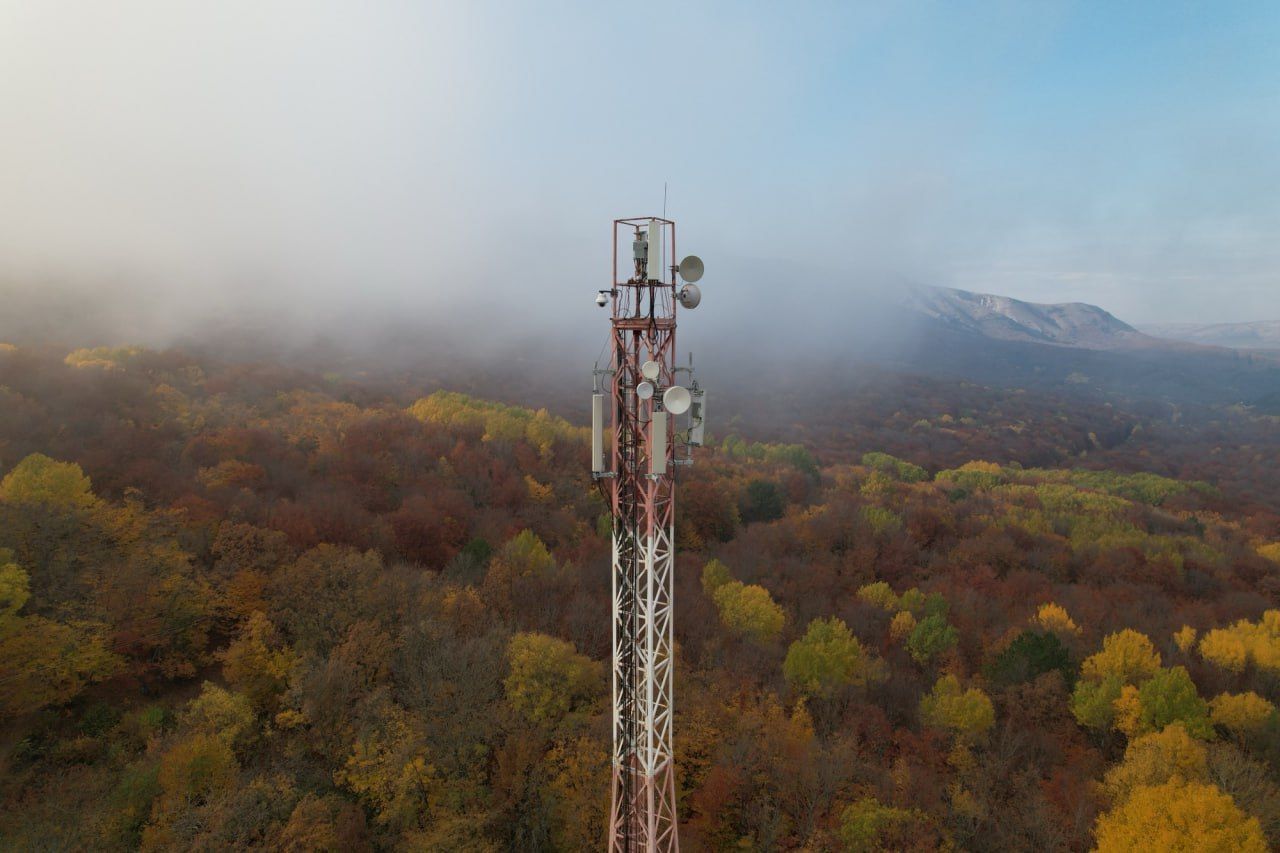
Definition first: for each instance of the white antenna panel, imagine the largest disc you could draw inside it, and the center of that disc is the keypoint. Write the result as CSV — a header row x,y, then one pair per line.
x,y
658,447
655,265
597,433
698,418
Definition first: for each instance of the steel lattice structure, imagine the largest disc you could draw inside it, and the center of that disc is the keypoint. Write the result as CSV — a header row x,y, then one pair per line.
x,y
640,488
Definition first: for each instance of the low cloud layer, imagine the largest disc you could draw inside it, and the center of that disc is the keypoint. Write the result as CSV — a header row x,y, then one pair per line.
x,y
296,166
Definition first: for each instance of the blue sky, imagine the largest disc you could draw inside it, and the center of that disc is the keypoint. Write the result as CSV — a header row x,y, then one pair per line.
x,y
1126,154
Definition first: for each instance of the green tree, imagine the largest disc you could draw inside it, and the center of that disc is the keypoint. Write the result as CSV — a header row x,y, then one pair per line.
x,y
129,803
1170,696
902,470
930,638
868,825
525,555
828,658
1093,703
882,521
715,574
763,501
1030,655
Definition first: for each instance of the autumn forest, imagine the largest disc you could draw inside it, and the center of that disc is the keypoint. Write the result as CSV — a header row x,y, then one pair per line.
x,y
251,604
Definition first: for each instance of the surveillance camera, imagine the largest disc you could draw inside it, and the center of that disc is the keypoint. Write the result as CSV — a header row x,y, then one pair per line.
x,y
602,300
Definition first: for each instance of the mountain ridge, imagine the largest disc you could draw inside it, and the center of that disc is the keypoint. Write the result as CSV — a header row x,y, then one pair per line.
x,y
1067,324
1262,334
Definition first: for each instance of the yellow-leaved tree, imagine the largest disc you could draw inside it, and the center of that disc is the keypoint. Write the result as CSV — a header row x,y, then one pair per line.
x,y
902,625
223,714
1126,660
1157,758
43,662
523,560
968,714
258,663
1179,817
40,481
1054,619
548,678
194,771
1127,655
879,594
1242,714
1245,643
749,610
581,772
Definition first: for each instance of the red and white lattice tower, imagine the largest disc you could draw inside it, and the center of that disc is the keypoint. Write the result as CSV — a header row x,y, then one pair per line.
x,y
644,398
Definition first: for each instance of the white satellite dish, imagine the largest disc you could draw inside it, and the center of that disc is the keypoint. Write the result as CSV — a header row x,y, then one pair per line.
x,y
644,390
690,296
650,370
691,268
676,400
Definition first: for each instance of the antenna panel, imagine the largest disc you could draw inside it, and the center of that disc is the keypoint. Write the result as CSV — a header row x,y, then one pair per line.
x,y
658,446
597,433
655,270
697,417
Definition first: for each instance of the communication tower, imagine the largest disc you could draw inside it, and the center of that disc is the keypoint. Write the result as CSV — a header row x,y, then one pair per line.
x,y
642,400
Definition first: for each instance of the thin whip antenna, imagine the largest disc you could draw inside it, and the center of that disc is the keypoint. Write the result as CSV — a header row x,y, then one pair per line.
x,y
664,199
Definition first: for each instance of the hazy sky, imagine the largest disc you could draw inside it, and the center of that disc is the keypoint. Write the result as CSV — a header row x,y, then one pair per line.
x,y
461,157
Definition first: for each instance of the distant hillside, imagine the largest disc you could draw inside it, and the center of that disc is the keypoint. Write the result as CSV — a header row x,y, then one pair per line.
x,y
1072,324
1261,335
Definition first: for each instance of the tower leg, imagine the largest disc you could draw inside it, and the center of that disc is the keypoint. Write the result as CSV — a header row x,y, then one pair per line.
x,y
642,816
